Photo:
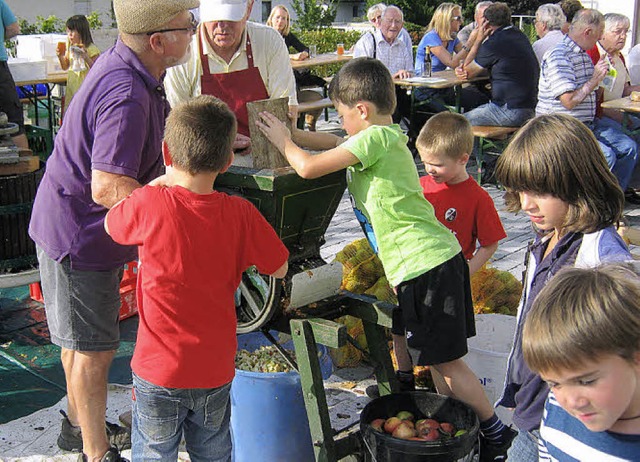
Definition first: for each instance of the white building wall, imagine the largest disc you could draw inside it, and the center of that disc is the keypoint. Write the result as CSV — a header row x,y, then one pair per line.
x,y
630,8
29,9
344,13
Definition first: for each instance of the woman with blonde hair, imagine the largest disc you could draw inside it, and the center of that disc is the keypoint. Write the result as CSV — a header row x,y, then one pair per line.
x,y
280,20
446,51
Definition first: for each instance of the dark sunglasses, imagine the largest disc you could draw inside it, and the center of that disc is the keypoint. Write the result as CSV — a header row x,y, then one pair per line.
x,y
457,18
192,27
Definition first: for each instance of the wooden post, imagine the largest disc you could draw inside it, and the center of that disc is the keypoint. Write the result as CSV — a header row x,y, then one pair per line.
x,y
265,154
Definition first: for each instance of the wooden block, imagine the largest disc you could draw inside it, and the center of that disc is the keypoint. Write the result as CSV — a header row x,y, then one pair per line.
x,y
25,164
265,154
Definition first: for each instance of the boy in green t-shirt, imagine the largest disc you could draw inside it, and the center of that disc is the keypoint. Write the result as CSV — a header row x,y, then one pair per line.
x,y
421,257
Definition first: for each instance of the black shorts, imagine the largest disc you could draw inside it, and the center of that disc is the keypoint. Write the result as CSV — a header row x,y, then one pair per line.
x,y
435,312
9,102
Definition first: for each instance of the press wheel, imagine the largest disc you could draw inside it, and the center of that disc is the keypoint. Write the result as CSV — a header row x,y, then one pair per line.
x,y
257,300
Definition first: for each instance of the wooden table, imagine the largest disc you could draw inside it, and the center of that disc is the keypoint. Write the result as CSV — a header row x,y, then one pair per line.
x,y
321,60
28,87
627,107
438,80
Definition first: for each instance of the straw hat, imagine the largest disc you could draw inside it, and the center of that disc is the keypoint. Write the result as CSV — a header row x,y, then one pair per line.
x,y
140,16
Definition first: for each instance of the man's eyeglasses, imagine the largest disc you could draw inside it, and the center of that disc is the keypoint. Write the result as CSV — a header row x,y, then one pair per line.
x,y
457,18
191,29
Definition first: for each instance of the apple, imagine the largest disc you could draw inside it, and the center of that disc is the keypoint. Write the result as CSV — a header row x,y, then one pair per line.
x,y
391,423
431,435
405,415
377,424
448,428
404,431
416,438
424,425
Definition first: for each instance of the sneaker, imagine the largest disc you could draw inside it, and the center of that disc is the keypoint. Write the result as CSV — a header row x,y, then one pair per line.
x,y
112,455
631,196
496,452
406,384
70,438
125,419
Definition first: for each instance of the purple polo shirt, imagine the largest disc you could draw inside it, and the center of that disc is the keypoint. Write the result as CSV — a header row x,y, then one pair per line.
x,y
115,123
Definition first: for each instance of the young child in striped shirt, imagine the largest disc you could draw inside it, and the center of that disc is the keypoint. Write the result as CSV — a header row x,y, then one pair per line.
x,y
583,337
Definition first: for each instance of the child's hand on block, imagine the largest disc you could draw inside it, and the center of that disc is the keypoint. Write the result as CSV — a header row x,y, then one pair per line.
x,y
274,130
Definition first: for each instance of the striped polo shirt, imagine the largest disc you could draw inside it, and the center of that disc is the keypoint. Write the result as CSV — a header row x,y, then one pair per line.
x,y
563,438
565,69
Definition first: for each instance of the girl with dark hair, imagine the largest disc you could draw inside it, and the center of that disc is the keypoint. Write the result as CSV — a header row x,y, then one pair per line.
x,y
80,55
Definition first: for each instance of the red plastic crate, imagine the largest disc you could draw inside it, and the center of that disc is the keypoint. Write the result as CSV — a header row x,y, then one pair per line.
x,y
128,303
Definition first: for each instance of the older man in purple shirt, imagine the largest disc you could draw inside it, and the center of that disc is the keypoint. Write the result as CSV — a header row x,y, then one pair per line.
x,y
109,145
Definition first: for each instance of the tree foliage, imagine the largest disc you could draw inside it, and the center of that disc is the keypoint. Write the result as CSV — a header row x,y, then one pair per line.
x,y
312,15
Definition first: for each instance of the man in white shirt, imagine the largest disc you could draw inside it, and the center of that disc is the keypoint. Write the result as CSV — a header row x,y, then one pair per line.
x,y
465,32
389,46
548,23
234,60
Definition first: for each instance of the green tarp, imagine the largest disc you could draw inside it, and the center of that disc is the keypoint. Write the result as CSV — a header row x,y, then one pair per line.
x,y
31,374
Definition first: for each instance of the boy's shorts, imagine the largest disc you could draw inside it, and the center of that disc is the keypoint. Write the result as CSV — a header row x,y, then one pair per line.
x,y
83,307
435,311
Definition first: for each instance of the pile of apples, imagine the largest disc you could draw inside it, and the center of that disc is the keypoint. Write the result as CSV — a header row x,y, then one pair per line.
x,y
402,426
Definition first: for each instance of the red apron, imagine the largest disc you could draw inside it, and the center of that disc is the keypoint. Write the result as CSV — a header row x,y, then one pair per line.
x,y
234,88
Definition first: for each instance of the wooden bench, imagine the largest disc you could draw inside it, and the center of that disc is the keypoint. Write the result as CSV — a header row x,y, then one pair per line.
x,y
303,108
489,137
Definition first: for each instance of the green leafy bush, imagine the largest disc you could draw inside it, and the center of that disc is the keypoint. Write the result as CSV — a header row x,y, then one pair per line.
x,y
50,25
326,41
312,15
94,20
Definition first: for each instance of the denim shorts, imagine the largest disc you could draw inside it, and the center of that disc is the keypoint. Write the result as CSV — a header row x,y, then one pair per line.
x,y
82,307
161,416
525,446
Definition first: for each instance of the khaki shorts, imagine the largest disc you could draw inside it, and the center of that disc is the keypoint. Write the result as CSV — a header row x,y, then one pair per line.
x,y
83,307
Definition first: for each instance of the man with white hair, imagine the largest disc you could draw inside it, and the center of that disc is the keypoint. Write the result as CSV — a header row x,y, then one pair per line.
x,y
237,61
548,24
387,45
465,32
374,15
109,145
568,83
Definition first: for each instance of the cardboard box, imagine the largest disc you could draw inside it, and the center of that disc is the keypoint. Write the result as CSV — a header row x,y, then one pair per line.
x,y
22,70
39,47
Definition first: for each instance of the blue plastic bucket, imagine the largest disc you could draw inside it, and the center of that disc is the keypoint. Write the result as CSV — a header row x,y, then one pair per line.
x,y
268,418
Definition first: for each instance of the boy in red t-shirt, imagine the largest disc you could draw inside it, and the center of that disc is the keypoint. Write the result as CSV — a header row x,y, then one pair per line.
x,y
444,144
194,244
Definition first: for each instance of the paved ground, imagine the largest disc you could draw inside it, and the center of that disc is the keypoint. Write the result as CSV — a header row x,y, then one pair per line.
x,y
33,437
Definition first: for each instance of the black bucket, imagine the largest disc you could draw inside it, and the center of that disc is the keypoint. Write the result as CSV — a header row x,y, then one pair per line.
x,y
385,448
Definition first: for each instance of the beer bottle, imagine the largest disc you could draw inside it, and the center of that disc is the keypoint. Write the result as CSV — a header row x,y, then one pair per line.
x,y
426,69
